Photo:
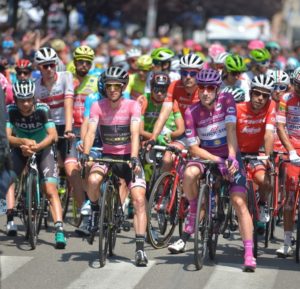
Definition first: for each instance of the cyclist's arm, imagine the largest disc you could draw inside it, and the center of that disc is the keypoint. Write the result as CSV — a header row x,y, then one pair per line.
x,y
89,137
231,139
162,118
135,135
145,134
84,127
196,151
284,138
68,102
17,141
47,141
179,127
269,141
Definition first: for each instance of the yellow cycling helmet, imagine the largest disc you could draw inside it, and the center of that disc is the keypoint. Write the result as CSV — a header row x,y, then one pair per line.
x,y
84,53
144,62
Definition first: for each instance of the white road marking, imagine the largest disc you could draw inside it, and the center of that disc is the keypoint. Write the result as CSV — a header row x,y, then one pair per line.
x,y
231,276
10,264
115,274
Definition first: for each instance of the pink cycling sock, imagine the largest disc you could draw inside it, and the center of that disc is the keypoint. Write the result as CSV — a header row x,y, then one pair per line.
x,y
248,245
193,205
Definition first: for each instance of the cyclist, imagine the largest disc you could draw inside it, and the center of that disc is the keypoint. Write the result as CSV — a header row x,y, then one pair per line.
x,y
218,62
210,128
255,128
184,91
233,74
119,123
30,130
56,89
260,63
137,81
274,49
237,93
289,134
23,69
132,56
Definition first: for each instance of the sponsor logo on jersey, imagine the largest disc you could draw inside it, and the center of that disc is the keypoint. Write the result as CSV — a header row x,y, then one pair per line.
x,y
188,132
251,130
219,106
231,110
28,125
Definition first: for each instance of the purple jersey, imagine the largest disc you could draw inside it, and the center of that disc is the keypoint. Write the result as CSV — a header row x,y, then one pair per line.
x,y
115,124
207,128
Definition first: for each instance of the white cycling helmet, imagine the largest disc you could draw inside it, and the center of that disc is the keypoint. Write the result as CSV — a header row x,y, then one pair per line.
x,y
263,81
220,58
296,75
133,52
115,73
279,76
191,61
44,55
237,93
24,89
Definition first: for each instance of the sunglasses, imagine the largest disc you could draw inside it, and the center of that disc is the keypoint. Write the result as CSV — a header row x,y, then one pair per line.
x,y
160,89
82,62
51,65
157,62
185,73
263,63
20,72
116,86
235,73
280,87
209,88
259,93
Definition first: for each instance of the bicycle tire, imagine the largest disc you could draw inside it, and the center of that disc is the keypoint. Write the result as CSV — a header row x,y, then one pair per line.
x,y
298,234
64,196
114,226
269,224
34,209
226,210
104,225
160,226
201,229
183,211
43,216
253,213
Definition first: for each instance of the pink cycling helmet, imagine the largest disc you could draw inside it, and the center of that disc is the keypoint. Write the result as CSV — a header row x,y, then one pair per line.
x,y
215,49
256,44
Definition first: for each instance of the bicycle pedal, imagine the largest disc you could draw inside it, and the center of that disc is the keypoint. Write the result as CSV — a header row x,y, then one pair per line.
x,y
126,226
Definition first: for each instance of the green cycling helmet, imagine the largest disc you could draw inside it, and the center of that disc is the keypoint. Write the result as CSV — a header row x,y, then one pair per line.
x,y
144,62
162,54
272,45
260,55
235,63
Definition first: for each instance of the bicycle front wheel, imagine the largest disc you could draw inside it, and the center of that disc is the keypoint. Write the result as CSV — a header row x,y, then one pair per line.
x,y
298,233
162,211
104,219
34,209
201,228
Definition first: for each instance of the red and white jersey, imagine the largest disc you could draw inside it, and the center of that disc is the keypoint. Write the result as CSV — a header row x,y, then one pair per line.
x,y
289,114
62,88
251,126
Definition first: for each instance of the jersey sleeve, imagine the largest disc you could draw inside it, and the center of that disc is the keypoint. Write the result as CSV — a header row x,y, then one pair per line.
x,y
230,108
190,128
282,111
94,113
271,116
176,110
9,117
135,112
69,88
87,105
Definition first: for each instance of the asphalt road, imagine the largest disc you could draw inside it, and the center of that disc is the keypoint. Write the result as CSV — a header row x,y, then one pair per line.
x,y
76,267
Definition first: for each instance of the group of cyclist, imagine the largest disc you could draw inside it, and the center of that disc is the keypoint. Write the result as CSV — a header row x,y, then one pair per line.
x,y
219,110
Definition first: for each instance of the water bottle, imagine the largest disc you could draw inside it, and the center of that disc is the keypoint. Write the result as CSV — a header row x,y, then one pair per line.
x,y
3,207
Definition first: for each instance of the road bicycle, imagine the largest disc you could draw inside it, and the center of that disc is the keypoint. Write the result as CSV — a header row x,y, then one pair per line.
x,y
30,200
111,214
167,206
213,211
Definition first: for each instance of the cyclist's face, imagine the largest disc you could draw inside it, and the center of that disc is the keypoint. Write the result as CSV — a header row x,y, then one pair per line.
x,y
143,74
207,94
25,106
23,74
48,70
259,98
233,77
279,91
159,93
82,67
114,90
297,88
188,77
132,63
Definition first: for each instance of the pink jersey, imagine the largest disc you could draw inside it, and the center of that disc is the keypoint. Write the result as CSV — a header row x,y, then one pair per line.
x,y
208,127
62,88
114,124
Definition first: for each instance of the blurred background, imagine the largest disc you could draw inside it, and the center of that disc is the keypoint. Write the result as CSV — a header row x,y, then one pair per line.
x,y
150,18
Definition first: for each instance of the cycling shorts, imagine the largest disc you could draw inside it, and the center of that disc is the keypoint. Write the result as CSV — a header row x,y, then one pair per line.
x,y
66,149
122,171
46,163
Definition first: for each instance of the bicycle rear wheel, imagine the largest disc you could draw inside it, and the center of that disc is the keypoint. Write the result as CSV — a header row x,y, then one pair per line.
x,y
269,225
161,223
104,220
201,228
34,209
253,213
298,233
